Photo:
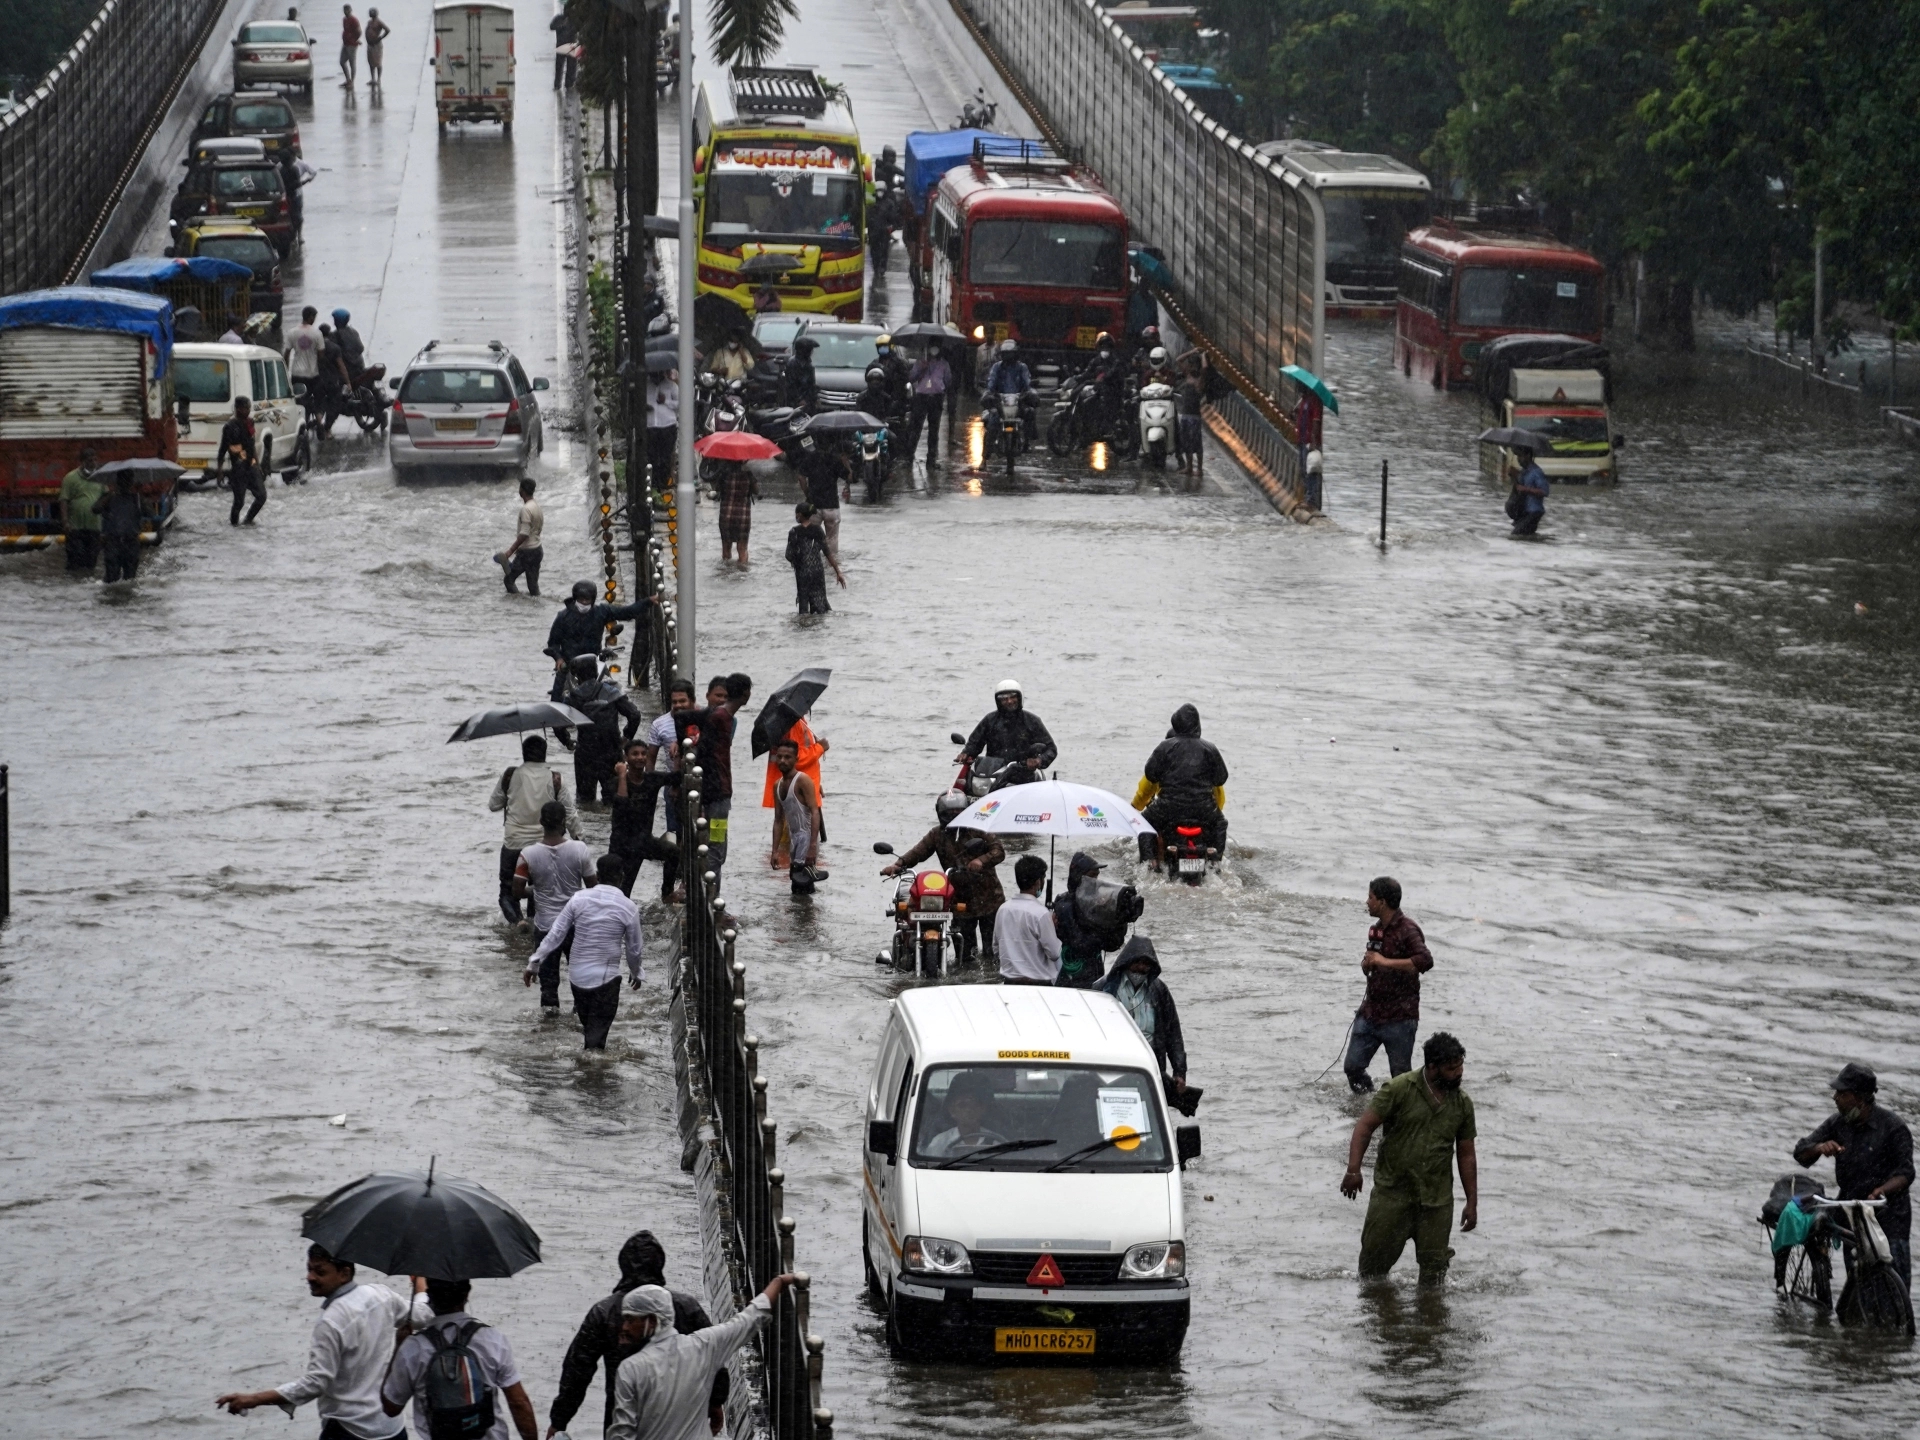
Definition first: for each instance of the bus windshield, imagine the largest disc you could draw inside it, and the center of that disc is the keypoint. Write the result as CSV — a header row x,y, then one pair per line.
x,y
1365,229
783,205
1046,252
1529,298
1026,1117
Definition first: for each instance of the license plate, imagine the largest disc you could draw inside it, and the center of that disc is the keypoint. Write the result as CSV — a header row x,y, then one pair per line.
x,y
462,425
1192,867
1050,1341
250,212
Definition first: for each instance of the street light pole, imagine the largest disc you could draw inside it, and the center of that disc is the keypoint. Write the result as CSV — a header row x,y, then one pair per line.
x,y
685,494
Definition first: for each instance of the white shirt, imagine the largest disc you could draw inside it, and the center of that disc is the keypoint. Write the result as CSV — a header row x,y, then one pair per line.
x,y
666,745
555,874
663,403
304,343
661,1391
605,925
532,787
1023,933
532,521
352,1340
490,1350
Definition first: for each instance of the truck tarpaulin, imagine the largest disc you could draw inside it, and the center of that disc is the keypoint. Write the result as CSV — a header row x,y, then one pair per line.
x,y
84,307
931,153
147,272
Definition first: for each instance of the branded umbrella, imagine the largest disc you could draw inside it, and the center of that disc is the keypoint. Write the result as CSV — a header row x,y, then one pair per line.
x,y
514,719
787,706
1517,438
833,422
402,1222
1312,383
1053,807
736,445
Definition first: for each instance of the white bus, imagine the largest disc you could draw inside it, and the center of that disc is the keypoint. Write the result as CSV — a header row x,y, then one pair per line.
x,y
1372,202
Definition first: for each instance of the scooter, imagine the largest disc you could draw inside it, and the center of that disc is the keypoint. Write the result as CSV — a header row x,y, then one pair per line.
x,y
1156,423
923,907
1006,427
977,113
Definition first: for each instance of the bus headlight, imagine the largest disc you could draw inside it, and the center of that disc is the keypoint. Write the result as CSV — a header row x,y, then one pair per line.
x,y
979,332
1155,1260
925,1255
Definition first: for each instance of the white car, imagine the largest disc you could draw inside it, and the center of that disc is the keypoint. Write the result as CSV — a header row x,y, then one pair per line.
x,y
1022,1190
273,52
207,378
466,406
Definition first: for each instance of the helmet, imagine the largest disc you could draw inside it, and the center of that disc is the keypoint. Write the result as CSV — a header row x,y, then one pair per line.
x,y
1006,687
885,342
1157,356
341,316
583,591
886,152
948,804
1103,341
584,667
875,375
1009,348
805,345
1150,335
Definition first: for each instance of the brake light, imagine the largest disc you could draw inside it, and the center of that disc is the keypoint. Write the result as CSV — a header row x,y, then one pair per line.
x,y
273,278
1187,830
299,55
841,284
513,417
399,411
700,161
249,54
725,279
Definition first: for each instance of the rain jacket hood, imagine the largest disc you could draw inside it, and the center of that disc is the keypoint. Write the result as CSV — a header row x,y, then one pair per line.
x,y
1138,948
643,1261
1186,721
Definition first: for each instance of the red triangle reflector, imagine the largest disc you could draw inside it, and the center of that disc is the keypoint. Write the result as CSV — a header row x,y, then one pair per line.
x,y
1045,1272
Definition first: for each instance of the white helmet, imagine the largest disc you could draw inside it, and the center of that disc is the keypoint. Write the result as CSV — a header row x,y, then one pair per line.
x,y
1006,686
1157,357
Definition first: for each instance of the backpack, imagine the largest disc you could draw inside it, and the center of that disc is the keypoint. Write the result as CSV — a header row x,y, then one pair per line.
x,y
459,1401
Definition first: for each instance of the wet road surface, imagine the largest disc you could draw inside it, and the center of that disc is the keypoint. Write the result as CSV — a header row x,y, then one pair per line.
x,y
1648,781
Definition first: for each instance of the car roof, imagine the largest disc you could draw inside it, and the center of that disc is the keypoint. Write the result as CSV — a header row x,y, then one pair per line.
x,y
460,355
228,225
844,327
251,96
215,350
974,1023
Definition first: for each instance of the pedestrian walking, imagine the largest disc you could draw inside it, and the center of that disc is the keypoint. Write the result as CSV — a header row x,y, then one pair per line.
x,y
605,926
457,1371
663,738
737,489
636,792
353,1341
597,1343
565,36
1527,505
928,379
120,522
796,819
1188,396
581,629
663,430
1428,1121
1084,940
661,1392
970,857
524,555
349,46
1395,958
377,32
79,492
552,870
810,555
1872,1151
304,344
523,791
810,749
1136,984
1023,933
238,457
824,470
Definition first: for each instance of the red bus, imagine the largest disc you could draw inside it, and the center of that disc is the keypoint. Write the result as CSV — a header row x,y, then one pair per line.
x,y
1023,245
1460,288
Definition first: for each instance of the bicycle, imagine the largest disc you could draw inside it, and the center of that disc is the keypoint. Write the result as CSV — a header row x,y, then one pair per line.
x,y
1874,1294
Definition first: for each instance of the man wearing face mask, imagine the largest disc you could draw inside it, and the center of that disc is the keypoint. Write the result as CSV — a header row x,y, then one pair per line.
x,y
1428,1120
1872,1153
581,629
661,1390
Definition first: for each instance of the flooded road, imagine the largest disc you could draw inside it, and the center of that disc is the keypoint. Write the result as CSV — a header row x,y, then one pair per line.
x,y
1650,784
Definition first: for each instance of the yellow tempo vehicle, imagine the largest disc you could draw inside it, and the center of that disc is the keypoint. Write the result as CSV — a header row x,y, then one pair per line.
x,y
781,189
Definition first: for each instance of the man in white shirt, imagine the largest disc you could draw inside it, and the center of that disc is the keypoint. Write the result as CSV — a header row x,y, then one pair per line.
x,y
554,870
522,791
1023,932
352,1342
663,420
304,343
499,1377
523,557
661,1391
606,928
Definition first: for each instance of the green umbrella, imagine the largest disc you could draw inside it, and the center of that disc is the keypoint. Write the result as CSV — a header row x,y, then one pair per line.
x,y
1312,383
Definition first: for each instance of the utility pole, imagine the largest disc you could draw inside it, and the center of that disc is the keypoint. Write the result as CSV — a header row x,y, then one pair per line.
x,y
1819,303
685,494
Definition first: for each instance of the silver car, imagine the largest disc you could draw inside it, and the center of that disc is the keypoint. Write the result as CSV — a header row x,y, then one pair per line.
x,y
273,52
465,406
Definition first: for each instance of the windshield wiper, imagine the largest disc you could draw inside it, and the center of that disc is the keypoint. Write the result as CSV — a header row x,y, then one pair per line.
x,y
1086,1150
1002,1148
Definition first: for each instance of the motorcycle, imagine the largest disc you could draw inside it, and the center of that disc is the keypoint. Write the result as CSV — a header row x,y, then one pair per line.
x,y
1083,418
977,113
1156,422
1185,853
984,774
721,407
322,405
923,907
1006,427
875,460
783,425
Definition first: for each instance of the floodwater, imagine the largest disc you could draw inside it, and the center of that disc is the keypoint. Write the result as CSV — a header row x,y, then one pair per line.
x,y
1649,782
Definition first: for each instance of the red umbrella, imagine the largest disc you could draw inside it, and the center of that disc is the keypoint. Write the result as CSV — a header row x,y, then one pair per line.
x,y
736,445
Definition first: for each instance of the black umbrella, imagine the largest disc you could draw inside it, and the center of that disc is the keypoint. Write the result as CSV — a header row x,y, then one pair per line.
x,y
137,468
928,330
402,1222
832,422
514,719
1516,438
787,706
772,267
715,317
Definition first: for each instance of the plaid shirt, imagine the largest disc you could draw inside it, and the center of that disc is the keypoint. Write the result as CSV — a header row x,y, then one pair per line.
x,y
1394,995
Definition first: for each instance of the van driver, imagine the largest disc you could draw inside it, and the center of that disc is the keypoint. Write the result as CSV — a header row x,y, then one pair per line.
x,y
969,1099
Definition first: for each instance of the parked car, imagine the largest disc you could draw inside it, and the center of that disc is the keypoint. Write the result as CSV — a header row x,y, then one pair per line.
x,y
273,52
251,190
775,330
465,405
232,238
208,378
263,114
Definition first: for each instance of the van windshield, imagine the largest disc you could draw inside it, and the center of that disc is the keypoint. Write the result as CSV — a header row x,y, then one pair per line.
x,y
1064,1113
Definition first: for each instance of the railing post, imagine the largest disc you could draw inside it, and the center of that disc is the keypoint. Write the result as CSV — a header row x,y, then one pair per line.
x,y
6,845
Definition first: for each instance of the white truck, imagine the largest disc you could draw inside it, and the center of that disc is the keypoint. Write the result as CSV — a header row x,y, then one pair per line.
x,y
1558,386
473,63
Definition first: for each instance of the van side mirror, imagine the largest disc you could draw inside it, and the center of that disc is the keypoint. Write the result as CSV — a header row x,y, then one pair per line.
x,y
393,383
539,382
1186,1143
881,847
957,738
883,1138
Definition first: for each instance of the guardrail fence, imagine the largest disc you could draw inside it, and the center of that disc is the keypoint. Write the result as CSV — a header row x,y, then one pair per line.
x,y
69,148
6,847
732,1147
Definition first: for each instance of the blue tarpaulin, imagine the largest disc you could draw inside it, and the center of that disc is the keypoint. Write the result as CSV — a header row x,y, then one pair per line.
x,y
143,272
86,307
931,153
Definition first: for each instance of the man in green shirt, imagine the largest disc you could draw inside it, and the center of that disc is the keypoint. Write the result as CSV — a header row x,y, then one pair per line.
x,y
1428,1120
78,491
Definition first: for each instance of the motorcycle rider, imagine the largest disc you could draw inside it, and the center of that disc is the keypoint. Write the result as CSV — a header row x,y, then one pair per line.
x,y
798,387
1184,784
599,746
734,359
1159,369
352,350
1012,732
581,626
897,369
1105,371
886,170
883,218
1009,377
970,857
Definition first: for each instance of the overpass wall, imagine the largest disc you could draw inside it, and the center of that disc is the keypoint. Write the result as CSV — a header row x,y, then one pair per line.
x,y
68,150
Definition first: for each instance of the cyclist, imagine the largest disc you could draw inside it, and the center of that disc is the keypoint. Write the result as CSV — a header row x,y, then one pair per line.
x,y
1872,1153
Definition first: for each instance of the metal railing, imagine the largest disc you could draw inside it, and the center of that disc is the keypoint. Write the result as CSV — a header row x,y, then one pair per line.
x,y
6,846
732,1148
69,148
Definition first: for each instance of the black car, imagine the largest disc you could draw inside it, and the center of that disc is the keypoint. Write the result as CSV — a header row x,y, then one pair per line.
x,y
261,114
253,190
840,364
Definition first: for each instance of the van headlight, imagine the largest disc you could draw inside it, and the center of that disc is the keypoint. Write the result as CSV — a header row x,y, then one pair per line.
x,y
1155,1260
925,1255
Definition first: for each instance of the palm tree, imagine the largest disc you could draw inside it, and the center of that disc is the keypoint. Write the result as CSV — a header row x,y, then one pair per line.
x,y
747,32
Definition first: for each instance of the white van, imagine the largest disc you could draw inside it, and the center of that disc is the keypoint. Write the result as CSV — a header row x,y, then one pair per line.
x,y
473,63
209,377
1022,1182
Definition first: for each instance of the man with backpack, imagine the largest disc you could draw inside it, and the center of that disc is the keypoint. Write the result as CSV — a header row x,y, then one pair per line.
x,y
522,791
457,1371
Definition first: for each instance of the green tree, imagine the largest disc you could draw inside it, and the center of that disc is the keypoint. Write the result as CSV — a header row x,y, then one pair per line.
x,y
38,33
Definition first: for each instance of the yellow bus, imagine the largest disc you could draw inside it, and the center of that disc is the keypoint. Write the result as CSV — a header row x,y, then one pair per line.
x,y
781,188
